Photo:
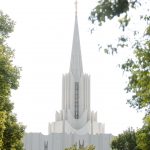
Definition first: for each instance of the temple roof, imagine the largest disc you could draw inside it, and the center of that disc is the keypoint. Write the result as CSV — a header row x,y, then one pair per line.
x,y
76,59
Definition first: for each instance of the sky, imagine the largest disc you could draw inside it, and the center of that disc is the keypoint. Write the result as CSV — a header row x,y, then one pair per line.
x,y
42,40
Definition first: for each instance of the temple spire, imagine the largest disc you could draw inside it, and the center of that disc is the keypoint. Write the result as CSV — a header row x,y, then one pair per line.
x,y
76,7
76,59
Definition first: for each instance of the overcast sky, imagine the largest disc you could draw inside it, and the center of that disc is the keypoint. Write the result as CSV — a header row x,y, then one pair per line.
x,y
42,41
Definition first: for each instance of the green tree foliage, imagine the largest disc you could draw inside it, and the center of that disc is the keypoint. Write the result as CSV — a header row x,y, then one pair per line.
x,y
2,127
131,140
74,147
139,70
125,141
143,135
108,9
11,132
118,10
138,66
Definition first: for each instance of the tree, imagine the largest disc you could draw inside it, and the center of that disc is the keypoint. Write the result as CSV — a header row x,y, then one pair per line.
x,y
125,141
138,66
74,147
2,127
108,9
143,135
119,10
139,74
11,132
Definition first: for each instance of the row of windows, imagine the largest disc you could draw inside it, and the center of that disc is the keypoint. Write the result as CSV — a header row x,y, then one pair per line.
x,y
76,100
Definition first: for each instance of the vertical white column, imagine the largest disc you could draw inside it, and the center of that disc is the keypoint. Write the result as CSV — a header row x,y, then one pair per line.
x,y
69,82
65,94
68,91
62,104
86,90
89,93
82,92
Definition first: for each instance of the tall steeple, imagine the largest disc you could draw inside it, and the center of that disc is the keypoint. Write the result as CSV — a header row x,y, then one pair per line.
x,y
76,59
76,116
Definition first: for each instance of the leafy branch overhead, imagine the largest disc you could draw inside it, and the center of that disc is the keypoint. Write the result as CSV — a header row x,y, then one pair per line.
x,y
119,10
108,9
137,66
139,78
6,26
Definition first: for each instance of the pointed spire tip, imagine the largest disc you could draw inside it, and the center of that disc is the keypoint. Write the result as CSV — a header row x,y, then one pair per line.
x,y
76,7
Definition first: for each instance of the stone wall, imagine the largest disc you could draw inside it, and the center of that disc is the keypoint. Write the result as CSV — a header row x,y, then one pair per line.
x,y
60,141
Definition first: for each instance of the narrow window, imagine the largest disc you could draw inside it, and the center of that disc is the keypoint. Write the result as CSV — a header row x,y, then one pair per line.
x,y
76,100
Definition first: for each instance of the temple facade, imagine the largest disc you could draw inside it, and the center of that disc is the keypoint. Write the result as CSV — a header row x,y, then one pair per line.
x,y
76,115
75,123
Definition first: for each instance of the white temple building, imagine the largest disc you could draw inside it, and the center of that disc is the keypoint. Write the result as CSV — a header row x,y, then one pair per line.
x,y
76,116
75,123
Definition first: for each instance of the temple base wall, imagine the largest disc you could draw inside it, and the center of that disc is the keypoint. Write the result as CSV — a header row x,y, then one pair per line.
x,y
60,141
